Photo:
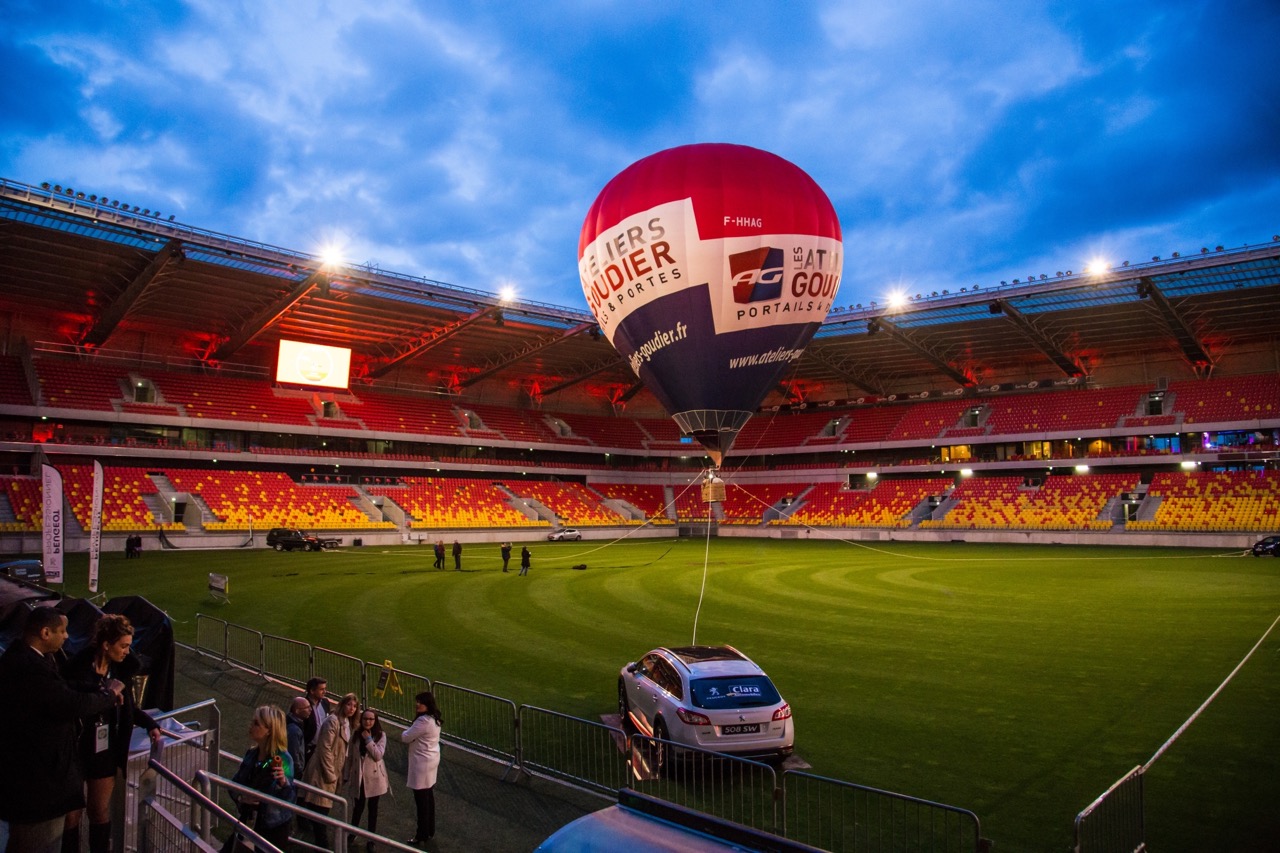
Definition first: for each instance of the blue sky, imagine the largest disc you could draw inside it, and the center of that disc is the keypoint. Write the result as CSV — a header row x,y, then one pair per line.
x,y
961,142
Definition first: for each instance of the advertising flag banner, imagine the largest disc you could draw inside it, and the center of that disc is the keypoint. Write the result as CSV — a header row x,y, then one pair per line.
x,y
51,481
95,527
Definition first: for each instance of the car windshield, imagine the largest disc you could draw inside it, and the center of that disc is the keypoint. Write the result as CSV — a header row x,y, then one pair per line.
x,y
736,691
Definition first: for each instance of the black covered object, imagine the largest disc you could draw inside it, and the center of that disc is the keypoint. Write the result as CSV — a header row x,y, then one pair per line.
x,y
16,600
81,615
153,644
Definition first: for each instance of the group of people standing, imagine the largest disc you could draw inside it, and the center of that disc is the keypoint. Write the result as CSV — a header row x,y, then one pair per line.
x,y
335,749
439,552
65,732
526,557
133,546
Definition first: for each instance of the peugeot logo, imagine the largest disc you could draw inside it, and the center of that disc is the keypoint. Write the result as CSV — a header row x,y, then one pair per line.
x,y
741,719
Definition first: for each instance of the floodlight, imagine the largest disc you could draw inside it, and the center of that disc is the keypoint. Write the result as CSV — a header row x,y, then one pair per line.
x,y
1082,469
1189,465
507,294
896,299
966,472
1097,266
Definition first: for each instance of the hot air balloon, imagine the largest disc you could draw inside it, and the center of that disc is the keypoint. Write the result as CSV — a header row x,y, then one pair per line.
x,y
709,267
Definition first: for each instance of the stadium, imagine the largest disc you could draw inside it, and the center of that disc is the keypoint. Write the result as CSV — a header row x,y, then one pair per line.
x,y
1108,437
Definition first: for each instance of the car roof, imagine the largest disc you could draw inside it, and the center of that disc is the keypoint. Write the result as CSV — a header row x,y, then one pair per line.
x,y
713,660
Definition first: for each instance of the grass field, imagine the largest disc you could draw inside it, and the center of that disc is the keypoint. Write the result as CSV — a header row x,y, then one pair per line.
x,y
1015,681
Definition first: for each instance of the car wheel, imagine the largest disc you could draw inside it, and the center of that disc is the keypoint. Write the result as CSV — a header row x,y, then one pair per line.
x,y
311,547
661,751
624,706
279,546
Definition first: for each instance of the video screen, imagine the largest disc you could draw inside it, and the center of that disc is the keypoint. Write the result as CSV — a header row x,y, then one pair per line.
x,y
313,364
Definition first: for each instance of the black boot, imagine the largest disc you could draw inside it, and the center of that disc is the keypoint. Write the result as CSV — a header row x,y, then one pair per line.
x,y
99,838
71,839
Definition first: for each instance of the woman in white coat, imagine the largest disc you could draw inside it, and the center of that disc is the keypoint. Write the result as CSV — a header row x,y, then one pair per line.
x,y
364,777
423,738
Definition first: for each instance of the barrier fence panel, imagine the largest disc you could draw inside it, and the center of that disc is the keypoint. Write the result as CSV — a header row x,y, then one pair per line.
x,y
836,815
478,721
190,744
344,673
211,635
585,753
286,659
244,647
1115,821
724,786
396,701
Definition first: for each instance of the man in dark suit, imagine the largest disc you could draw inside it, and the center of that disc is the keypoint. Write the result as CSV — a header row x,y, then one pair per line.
x,y
41,781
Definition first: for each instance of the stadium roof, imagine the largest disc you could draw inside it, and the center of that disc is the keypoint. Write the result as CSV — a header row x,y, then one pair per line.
x,y
93,276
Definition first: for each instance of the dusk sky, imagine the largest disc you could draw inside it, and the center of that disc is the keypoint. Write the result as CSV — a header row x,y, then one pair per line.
x,y
961,142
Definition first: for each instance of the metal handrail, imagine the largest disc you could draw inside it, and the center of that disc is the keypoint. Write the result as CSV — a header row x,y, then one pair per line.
x,y
199,798
298,783
342,829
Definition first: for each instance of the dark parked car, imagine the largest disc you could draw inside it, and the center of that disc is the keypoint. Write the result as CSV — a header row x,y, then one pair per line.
x,y
288,539
1269,547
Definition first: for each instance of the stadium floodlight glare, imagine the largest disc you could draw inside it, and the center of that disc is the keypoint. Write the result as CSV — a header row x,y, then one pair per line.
x,y
1097,266
507,294
896,299
871,475
1082,469
966,472
1189,465
331,256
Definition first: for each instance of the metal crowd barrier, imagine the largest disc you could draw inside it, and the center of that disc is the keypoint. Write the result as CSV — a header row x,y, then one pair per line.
x,y
344,673
1115,821
837,815
480,722
602,759
288,660
725,786
580,752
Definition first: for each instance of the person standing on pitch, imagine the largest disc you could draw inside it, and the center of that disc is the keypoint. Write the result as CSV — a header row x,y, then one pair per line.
x,y
439,549
457,556
506,555
526,559
40,781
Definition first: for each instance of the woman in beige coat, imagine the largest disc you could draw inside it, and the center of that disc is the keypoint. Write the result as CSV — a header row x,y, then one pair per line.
x,y
324,769
364,778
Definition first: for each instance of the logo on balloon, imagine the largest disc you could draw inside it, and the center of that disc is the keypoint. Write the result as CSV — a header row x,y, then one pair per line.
x,y
756,275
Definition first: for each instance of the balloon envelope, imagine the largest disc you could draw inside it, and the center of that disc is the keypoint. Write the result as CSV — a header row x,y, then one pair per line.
x,y
709,267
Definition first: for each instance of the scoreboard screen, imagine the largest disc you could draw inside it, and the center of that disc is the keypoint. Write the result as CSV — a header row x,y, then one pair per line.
x,y
313,364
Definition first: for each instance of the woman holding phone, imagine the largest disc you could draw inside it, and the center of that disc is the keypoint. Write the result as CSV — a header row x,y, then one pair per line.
x,y
267,767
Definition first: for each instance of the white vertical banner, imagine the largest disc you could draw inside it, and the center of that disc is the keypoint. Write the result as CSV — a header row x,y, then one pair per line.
x,y
51,482
95,527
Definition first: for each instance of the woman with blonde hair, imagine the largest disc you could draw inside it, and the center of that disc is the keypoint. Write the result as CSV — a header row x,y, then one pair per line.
x,y
324,768
103,745
267,767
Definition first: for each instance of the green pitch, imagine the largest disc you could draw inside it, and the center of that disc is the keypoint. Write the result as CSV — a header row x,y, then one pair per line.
x,y
1018,682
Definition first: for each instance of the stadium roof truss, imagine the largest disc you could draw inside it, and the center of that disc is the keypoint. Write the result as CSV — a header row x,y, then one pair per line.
x,y
98,278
